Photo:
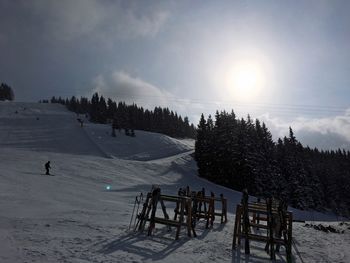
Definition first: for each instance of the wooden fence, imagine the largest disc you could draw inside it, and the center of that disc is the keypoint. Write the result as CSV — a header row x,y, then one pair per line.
x,y
268,222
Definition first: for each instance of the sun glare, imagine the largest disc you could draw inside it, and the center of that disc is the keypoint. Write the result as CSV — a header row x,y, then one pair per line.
x,y
245,80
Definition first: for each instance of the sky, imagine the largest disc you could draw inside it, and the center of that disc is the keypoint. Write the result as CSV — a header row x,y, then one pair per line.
x,y
284,62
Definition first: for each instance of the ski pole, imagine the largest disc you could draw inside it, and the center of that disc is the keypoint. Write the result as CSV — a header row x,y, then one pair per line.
x,y
132,215
138,206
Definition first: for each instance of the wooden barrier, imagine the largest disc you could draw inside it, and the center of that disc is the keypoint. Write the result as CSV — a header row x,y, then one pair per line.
x,y
209,212
148,213
188,210
273,220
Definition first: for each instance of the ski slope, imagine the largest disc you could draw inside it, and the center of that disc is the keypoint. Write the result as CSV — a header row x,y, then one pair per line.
x,y
72,217
52,128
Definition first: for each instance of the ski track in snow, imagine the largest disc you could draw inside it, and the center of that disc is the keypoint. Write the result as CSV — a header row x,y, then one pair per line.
x,y
71,217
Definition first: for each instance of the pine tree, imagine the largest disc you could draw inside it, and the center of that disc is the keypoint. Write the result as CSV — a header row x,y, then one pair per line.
x,y
6,92
200,146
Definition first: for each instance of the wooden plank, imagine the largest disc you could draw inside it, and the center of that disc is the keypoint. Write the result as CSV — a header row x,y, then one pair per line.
x,y
218,214
224,211
261,211
237,225
261,219
270,231
167,222
189,217
289,244
259,225
182,208
171,198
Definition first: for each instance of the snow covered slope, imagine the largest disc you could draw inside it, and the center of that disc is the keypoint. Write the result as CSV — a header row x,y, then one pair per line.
x,y
52,128
43,127
144,147
72,217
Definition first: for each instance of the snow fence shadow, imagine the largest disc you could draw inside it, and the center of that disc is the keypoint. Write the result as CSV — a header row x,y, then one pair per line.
x,y
257,255
156,247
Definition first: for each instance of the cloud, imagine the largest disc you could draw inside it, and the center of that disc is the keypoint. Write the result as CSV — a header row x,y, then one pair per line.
x,y
67,20
146,25
325,133
121,86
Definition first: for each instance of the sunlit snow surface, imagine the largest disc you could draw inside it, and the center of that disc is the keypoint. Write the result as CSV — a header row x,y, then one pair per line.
x,y
74,217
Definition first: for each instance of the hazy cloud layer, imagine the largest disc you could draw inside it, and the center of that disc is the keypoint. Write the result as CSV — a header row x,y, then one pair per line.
x,y
121,86
68,20
326,133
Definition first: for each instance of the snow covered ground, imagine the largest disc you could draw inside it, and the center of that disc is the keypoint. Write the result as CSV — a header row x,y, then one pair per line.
x,y
72,217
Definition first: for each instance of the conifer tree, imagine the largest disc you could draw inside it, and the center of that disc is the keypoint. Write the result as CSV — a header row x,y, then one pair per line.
x,y
6,92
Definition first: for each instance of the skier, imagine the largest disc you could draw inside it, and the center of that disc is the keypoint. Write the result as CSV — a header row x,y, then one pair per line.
x,y
47,167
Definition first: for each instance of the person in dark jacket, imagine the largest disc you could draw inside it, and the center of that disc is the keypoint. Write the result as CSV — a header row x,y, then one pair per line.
x,y
47,167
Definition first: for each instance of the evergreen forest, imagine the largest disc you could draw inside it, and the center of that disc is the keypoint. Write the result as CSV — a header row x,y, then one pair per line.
x,y
240,153
129,117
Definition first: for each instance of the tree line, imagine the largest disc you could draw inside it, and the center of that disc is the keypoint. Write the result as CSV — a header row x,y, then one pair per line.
x,y
240,153
6,92
129,117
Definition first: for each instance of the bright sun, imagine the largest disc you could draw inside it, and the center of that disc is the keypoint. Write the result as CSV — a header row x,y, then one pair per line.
x,y
245,80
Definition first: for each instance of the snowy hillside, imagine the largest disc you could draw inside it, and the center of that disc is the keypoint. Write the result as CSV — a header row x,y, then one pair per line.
x,y
52,128
72,217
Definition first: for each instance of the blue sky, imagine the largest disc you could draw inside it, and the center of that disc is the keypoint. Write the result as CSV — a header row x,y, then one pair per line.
x,y
187,55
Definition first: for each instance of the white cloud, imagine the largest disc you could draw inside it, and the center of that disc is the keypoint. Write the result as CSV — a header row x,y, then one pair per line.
x,y
121,86
327,133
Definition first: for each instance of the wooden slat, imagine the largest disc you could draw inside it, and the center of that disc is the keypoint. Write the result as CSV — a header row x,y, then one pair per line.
x,y
258,225
167,222
218,214
237,225
173,198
